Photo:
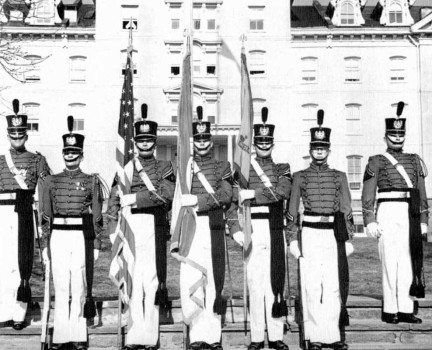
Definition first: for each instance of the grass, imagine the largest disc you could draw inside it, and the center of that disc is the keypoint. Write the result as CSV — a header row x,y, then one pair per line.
x,y
365,271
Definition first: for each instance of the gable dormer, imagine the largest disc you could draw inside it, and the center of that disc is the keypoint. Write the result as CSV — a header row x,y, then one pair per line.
x,y
396,12
347,12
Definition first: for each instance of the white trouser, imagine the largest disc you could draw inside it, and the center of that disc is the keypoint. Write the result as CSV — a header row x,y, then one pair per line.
x,y
143,323
207,325
321,285
261,296
10,308
394,252
68,269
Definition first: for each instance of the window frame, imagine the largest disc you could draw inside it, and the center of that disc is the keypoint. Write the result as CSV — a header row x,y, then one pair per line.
x,y
350,71
33,118
309,120
398,67
33,75
73,72
78,117
305,68
356,130
346,17
354,172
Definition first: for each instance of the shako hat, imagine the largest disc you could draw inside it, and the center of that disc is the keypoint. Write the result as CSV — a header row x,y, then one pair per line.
x,y
145,129
201,129
320,137
264,132
72,141
17,123
396,125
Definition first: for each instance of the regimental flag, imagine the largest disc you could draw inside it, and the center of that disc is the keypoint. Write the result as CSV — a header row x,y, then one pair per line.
x,y
243,148
184,218
123,250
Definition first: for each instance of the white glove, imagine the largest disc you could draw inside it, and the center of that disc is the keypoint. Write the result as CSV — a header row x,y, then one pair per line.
x,y
128,199
45,255
374,230
349,248
189,200
423,228
96,254
239,238
294,249
246,194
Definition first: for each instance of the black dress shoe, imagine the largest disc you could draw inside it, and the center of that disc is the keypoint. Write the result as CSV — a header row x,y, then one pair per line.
x,y
216,346
199,345
18,326
56,347
152,347
279,344
315,346
256,345
408,318
79,345
340,346
129,347
390,318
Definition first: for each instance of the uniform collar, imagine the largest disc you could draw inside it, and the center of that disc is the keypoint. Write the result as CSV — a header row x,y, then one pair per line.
x,y
146,159
393,151
207,157
72,172
265,160
13,151
319,167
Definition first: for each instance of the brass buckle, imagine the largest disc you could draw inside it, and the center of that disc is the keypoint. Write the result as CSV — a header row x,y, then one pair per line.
x,y
325,219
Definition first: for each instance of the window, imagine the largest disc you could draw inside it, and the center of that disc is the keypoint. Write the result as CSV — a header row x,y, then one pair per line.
x,y
347,14
175,23
130,17
352,69
32,73
309,117
397,69
394,109
358,223
196,68
175,70
174,120
256,20
78,69
309,69
353,120
77,110
211,119
354,172
44,12
258,104
211,70
256,63
395,13
197,24
306,161
32,111
211,24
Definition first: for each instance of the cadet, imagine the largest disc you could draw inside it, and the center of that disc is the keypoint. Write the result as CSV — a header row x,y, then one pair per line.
x,y
327,225
20,173
269,187
152,190
400,179
72,225
211,190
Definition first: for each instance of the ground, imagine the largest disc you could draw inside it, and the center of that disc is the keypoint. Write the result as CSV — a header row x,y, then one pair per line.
x,y
365,271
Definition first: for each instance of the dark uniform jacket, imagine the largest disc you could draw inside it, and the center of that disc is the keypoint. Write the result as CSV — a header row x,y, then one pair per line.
x,y
323,191
382,175
72,194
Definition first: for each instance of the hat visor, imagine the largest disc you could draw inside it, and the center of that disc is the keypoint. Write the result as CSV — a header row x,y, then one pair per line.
x,y
395,132
316,144
204,136
17,130
145,137
72,149
263,139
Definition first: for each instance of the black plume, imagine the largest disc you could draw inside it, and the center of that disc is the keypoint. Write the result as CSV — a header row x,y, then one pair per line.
x,y
144,111
70,122
199,112
320,118
400,108
15,105
264,114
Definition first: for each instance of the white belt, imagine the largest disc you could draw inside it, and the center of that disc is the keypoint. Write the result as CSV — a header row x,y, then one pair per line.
x,y
6,196
262,209
67,221
321,218
393,195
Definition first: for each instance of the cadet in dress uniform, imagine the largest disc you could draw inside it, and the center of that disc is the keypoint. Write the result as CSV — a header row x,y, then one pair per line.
x,y
211,191
269,186
152,191
327,225
400,180
72,225
20,173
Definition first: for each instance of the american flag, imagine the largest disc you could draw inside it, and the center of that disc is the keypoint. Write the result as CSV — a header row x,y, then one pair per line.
x,y
123,250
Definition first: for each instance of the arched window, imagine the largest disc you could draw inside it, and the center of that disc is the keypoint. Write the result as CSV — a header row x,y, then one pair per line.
x,y
347,13
32,72
256,62
78,69
352,69
77,110
309,69
353,119
31,109
397,69
395,13
354,172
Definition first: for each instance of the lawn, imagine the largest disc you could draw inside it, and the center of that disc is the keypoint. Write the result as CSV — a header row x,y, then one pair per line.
x,y
365,271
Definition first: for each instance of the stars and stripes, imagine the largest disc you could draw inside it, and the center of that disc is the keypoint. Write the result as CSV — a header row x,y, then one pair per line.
x,y
123,251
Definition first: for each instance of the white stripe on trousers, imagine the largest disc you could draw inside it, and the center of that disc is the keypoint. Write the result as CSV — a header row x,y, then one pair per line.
x,y
68,269
143,323
394,252
10,308
207,325
321,285
261,296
